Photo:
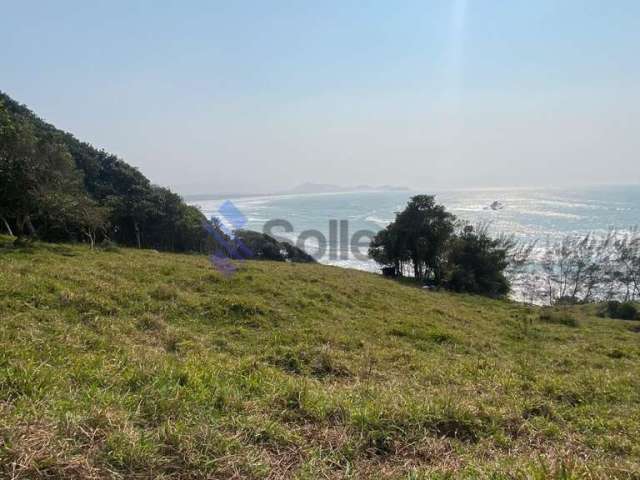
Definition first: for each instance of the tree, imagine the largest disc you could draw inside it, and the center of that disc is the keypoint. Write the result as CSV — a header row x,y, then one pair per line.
x,y
45,174
7,135
626,264
38,177
591,267
422,241
476,263
91,219
18,177
520,270
425,228
578,269
418,235
387,250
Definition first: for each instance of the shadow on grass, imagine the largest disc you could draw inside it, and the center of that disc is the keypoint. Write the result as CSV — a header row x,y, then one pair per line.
x,y
29,247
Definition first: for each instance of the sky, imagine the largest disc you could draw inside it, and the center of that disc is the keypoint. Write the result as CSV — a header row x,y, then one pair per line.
x,y
256,97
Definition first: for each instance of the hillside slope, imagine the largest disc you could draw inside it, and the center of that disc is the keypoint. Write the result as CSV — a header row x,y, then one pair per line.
x,y
127,363
56,187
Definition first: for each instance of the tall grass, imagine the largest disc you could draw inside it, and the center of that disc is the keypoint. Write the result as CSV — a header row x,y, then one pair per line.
x,y
133,364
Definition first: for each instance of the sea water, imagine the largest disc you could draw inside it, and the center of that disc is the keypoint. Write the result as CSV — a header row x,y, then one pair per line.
x,y
542,215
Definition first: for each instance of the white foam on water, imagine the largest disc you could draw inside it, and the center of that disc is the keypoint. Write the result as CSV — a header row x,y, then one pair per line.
x,y
378,221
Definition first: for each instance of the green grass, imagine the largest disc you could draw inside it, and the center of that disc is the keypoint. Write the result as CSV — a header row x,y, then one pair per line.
x,y
129,363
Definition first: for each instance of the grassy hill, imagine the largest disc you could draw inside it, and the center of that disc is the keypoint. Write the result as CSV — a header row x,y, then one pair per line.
x,y
121,364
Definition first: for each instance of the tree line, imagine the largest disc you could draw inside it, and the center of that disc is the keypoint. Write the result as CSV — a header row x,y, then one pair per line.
x,y
57,188
583,269
429,244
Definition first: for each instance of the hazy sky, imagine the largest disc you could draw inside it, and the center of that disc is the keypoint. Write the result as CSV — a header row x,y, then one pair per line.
x,y
259,96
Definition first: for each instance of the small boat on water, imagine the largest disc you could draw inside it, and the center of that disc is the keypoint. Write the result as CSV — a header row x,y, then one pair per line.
x,y
496,205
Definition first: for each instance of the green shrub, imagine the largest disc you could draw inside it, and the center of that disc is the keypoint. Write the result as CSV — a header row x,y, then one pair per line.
x,y
165,293
23,242
323,363
288,360
108,245
618,310
561,317
149,322
566,300
320,362
627,311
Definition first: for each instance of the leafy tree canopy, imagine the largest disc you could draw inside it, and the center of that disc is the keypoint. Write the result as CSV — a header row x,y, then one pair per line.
x,y
58,188
426,242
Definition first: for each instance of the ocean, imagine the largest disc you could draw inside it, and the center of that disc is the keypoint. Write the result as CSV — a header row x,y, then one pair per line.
x,y
542,215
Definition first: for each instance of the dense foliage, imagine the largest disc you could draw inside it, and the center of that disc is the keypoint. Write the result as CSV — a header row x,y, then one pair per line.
x,y
260,246
619,310
423,241
60,189
476,263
